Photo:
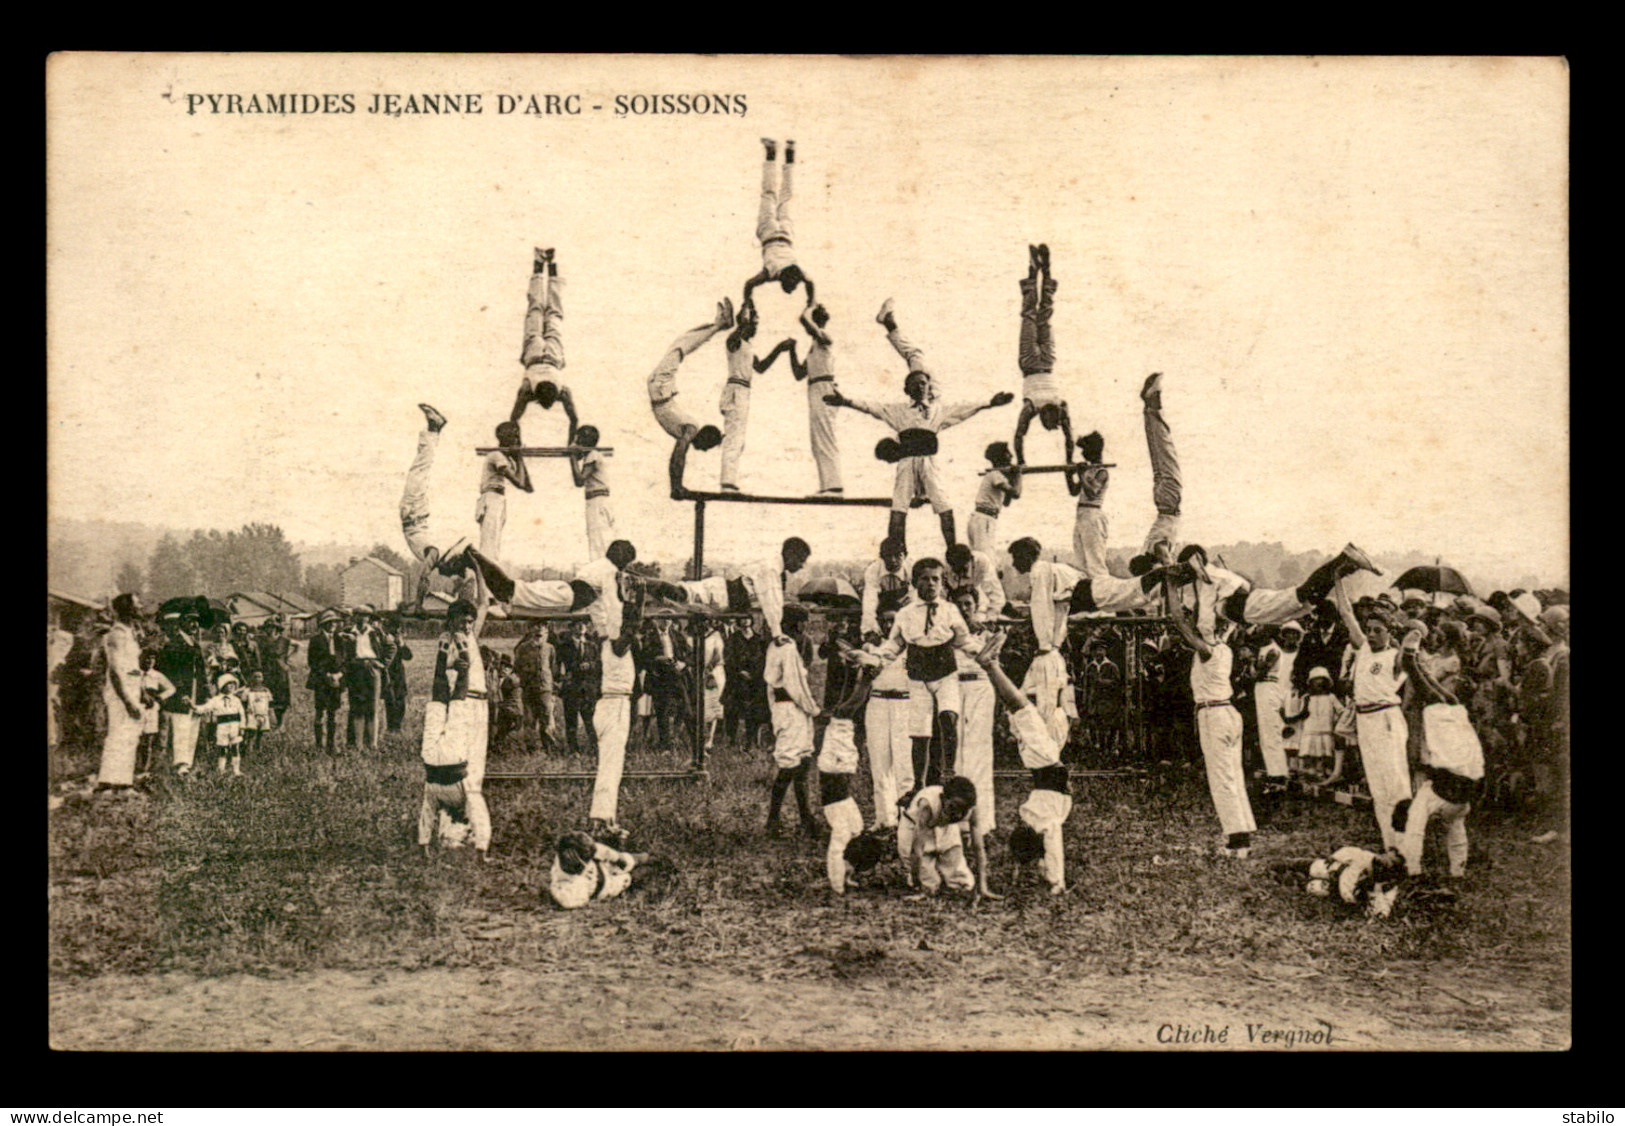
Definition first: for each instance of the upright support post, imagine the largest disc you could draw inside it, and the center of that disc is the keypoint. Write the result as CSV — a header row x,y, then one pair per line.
x,y
697,640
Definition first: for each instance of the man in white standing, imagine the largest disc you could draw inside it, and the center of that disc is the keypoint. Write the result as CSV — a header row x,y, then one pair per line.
x,y
121,693
917,420
1218,726
1378,718
497,471
735,404
819,372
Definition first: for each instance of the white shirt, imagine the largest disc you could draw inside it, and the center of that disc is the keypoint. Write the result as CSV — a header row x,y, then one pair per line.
x,y
875,579
947,627
1377,676
1210,677
984,576
1053,582
991,492
906,414
784,669
1033,740
592,473
605,610
924,811
619,672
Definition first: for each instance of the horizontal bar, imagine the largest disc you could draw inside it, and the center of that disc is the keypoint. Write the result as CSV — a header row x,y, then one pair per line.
x,y
589,776
545,451
748,498
1025,469
1118,772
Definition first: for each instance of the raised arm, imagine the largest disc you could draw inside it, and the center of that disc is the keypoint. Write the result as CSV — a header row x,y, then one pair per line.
x,y
1432,691
1186,632
873,410
812,330
482,602
750,284
786,345
959,412
1012,490
1345,610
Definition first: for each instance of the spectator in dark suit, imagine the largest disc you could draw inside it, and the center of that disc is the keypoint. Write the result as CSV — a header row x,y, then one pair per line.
x,y
326,678
395,690
275,652
367,655
577,652
182,662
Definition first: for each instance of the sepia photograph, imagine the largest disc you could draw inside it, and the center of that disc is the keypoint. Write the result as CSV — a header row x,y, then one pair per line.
x,y
606,553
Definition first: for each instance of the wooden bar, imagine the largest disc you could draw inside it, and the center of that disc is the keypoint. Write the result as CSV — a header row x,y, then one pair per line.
x,y
589,775
1025,469
747,498
545,451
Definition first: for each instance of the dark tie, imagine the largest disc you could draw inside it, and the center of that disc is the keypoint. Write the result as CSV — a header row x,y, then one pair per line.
x,y
930,611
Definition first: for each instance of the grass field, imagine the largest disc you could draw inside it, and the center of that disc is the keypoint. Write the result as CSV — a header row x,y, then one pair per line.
x,y
291,909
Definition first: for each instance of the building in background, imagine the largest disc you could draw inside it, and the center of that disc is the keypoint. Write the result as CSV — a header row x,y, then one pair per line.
x,y
372,582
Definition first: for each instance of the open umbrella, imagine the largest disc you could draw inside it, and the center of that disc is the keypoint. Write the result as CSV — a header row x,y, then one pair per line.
x,y
1434,580
828,590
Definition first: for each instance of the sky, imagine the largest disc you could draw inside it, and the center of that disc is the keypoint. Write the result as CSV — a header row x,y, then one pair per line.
x,y
1353,273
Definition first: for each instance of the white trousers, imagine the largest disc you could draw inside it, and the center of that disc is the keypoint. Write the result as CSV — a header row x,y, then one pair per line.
x,y
975,757
1425,805
183,731
544,309
1089,540
928,697
917,476
735,418
792,734
1267,698
492,514
1382,754
891,762
1274,607
943,859
773,228
1220,732
415,522
541,595
826,450
611,723
981,531
845,822
600,527
119,744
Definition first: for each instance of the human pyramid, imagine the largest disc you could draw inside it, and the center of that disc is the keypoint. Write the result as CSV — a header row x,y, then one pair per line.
x,y
923,666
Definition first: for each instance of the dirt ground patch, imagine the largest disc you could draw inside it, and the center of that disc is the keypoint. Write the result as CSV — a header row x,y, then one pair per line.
x,y
639,1006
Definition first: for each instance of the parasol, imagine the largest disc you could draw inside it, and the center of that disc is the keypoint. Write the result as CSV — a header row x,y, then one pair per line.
x,y
828,590
1434,580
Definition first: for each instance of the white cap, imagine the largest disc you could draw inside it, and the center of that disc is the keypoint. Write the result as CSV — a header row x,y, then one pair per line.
x,y
1317,671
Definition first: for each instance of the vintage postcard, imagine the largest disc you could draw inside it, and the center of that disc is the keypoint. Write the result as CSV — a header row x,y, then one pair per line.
x,y
755,552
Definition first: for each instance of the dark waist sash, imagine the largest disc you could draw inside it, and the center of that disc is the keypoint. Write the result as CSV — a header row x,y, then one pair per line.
x,y
1367,709
971,676
915,442
888,694
738,596
930,662
494,489
833,788
1214,704
597,493
987,511
1051,778
445,775
820,379
1455,788
781,696
739,382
